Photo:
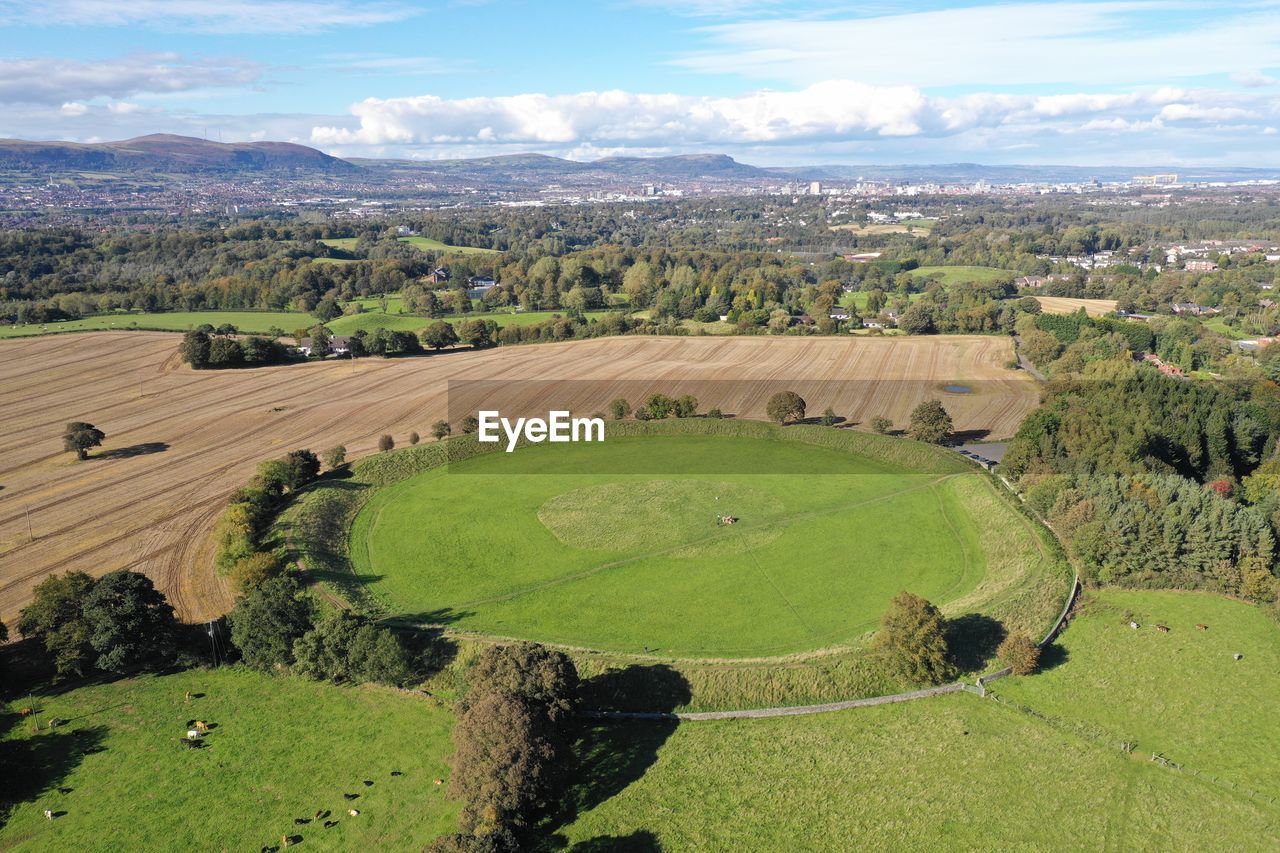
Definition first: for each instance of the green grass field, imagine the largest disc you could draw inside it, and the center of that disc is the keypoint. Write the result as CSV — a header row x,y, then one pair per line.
x,y
952,772
282,748
1180,693
530,544
370,320
961,274
426,244
252,322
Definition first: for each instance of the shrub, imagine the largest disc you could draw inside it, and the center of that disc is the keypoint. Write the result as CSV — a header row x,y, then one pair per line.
x,y
470,424
829,417
385,443
619,409
249,572
913,637
715,414
335,457
881,424
414,438
1019,653
441,429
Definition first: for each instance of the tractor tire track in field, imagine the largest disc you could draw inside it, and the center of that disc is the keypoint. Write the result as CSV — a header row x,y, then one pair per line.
x,y
153,509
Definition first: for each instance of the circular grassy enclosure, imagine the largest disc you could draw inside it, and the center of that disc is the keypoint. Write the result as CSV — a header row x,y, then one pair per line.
x,y
621,546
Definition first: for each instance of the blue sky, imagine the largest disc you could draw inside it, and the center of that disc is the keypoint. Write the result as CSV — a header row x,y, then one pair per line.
x,y
1129,82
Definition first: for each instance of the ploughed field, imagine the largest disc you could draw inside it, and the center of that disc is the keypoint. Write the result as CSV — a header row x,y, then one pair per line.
x,y
1070,305
621,545
179,442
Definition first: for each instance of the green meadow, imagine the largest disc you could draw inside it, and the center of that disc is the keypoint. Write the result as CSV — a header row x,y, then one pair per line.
x,y
280,748
961,274
250,322
531,544
425,244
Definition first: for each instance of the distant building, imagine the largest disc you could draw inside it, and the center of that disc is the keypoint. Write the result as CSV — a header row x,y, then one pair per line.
x,y
862,257
479,285
815,188
439,275
839,312
1154,180
338,345
1201,266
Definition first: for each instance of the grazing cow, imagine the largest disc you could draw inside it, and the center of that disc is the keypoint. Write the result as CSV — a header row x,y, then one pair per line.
x,y
202,726
1202,627
48,814
350,796
285,841
396,773
322,813
328,824
1163,629
353,812
439,781
301,821
1133,625
1237,656
368,783
27,712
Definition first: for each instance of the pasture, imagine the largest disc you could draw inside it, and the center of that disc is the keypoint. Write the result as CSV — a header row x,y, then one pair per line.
x,y
1068,305
425,244
921,227
249,322
529,544
951,772
961,274
280,748
179,441
1181,693
371,320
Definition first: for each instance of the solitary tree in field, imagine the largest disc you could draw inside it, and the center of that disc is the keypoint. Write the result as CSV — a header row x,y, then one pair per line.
x,y
930,422
470,424
386,442
913,636
1020,653
440,429
686,406
785,407
80,436
881,424
414,438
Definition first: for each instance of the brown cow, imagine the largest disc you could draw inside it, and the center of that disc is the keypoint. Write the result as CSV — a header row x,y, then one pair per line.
x,y
1163,629
27,712
202,726
1203,627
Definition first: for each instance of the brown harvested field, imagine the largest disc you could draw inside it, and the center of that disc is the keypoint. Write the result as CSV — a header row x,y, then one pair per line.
x,y
1067,305
180,441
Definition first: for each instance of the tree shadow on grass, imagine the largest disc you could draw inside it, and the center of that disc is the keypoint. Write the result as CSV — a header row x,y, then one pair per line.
x,y
1051,657
144,449
613,753
964,436
640,841
33,764
973,639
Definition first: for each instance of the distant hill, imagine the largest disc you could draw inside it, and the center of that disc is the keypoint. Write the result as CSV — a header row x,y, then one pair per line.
x,y
681,167
960,173
164,152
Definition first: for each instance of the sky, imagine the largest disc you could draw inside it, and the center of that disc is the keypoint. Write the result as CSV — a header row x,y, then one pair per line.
x,y
1119,82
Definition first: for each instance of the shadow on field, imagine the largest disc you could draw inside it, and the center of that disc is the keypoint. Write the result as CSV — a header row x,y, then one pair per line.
x,y
973,639
640,841
144,449
32,763
1052,655
612,754
964,436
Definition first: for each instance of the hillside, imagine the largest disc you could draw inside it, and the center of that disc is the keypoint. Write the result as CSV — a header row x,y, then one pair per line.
x,y
164,152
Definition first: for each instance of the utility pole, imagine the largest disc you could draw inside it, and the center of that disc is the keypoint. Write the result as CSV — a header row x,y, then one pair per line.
x,y
31,535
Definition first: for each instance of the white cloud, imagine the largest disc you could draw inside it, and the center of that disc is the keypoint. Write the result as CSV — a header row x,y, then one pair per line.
x,y
227,16
843,116
1254,79
1123,42
43,80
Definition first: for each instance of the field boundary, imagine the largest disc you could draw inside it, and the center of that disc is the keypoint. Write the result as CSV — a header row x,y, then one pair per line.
x,y
783,711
